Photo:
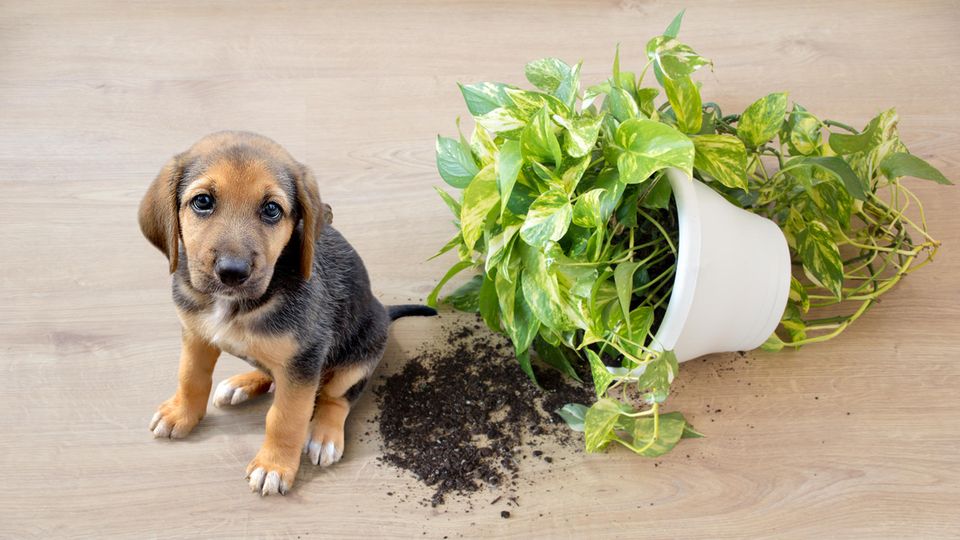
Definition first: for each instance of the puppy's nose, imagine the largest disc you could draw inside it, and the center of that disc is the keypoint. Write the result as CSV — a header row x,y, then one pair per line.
x,y
232,271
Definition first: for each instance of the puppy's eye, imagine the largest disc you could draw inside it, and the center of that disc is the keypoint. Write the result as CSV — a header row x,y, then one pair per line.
x,y
202,204
271,212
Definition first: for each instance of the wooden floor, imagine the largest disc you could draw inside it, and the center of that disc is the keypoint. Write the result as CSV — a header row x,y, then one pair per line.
x,y
859,437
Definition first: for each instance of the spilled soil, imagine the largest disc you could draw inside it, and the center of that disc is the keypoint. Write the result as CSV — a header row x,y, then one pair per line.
x,y
463,415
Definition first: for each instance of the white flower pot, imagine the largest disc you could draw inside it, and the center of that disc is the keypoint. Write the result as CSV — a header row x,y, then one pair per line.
x,y
733,275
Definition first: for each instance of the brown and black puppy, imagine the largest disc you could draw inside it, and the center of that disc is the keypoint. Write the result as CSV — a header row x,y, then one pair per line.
x,y
259,272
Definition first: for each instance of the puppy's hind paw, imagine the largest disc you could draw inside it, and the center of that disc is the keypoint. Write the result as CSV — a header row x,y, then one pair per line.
x,y
241,388
325,446
227,394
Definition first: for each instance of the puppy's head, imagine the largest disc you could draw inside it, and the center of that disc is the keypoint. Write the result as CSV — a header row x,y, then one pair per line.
x,y
233,202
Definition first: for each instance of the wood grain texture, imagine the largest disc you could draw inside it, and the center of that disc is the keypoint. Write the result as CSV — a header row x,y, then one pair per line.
x,y
855,438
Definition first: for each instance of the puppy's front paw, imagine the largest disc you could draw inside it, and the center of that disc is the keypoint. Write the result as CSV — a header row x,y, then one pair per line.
x,y
268,477
174,420
325,445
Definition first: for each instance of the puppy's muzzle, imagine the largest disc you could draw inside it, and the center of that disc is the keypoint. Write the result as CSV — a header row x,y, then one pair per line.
x,y
232,271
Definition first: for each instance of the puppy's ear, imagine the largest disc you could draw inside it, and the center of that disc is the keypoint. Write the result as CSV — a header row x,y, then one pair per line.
x,y
159,219
313,213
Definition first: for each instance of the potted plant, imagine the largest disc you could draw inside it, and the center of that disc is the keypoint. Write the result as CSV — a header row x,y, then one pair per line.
x,y
576,212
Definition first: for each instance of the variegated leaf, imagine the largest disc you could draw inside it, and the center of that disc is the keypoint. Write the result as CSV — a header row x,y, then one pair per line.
x,y
478,198
820,256
684,98
504,121
547,219
672,58
580,134
761,121
722,157
650,146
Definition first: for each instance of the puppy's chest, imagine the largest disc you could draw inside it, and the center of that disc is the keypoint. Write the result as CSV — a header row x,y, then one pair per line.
x,y
223,328
234,333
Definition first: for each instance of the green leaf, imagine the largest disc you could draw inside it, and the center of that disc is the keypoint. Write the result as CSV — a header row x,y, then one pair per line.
x,y
525,324
645,97
452,204
601,376
574,173
836,165
506,121
454,270
623,278
900,164
574,414
673,30
622,105
481,98
454,242
520,200
773,344
499,245
555,357
641,319
657,195
690,433
586,213
506,287
798,294
540,289
489,303
609,181
762,120
538,142
659,371
529,103
523,358
820,255
671,429
581,134
478,198
467,296
672,58
547,219
554,76
802,132
684,98
508,166
547,73
882,127
599,422
650,146
455,162
722,157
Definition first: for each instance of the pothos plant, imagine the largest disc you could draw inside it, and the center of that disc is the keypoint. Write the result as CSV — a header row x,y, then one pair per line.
x,y
565,214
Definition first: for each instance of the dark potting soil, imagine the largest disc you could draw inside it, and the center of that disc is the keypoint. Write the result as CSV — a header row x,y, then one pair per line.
x,y
462,415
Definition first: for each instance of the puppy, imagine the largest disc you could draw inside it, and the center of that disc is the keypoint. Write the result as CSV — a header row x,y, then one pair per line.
x,y
259,272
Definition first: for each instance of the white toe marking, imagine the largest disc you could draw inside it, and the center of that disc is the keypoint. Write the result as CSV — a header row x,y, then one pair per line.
x,y
271,484
314,447
154,420
162,429
239,396
224,393
256,479
329,455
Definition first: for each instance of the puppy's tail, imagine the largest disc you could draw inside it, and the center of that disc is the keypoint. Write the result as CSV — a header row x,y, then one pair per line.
x,y
408,310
